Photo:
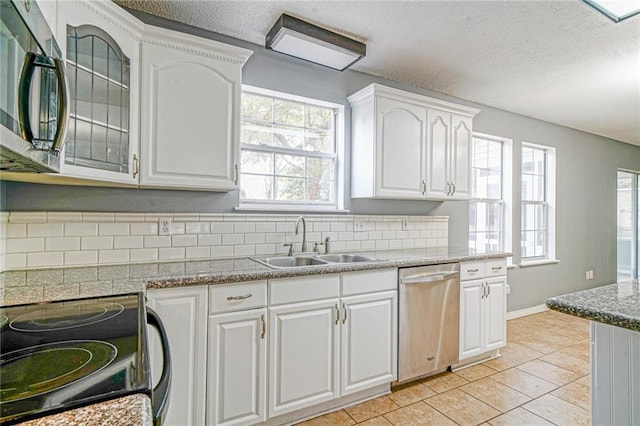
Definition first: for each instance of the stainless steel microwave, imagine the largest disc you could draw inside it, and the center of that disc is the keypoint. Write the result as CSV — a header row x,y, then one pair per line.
x,y
33,90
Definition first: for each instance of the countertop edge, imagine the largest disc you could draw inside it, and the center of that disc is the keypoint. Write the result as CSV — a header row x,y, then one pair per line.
x,y
265,274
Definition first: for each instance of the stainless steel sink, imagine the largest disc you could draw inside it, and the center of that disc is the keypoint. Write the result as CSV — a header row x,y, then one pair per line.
x,y
291,261
282,262
345,258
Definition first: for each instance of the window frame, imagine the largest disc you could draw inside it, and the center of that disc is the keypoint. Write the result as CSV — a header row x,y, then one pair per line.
x,y
505,200
338,156
548,204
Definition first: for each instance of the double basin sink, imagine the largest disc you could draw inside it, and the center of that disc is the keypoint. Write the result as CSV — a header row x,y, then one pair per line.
x,y
281,262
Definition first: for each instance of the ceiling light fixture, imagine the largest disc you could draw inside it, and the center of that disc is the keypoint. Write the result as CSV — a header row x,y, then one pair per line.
x,y
295,37
616,10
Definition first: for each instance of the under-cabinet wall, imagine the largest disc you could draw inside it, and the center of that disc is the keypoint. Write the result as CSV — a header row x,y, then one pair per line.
x,y
49,239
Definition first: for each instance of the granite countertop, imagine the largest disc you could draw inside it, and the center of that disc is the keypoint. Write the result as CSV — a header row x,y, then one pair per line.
x,y
615,304
38,285
128,410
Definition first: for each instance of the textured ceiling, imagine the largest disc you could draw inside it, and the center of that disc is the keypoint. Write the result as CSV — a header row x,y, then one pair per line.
x,y
558,61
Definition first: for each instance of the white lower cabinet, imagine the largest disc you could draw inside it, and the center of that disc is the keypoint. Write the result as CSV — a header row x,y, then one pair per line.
x,y
369,341
237,368
277,347
184,314
483,306
304,353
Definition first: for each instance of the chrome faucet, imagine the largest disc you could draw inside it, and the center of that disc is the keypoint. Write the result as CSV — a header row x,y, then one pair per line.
x,y
304,232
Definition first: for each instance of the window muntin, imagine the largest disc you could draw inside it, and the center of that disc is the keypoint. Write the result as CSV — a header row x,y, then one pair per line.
x,y
288,151
487,206
535,203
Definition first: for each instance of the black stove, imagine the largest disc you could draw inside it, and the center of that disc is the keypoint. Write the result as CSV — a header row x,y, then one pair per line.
x,y
61,355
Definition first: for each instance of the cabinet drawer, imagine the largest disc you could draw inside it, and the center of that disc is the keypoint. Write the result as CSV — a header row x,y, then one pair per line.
x,y
472,270
496,267
300,289
369,281
237,297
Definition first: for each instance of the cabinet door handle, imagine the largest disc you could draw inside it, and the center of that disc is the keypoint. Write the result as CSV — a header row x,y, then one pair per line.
x,y
453,190
344,307
244,296
136,166
424,187
496,268
484,291
337,314
264,326
473,270
235,180
488,290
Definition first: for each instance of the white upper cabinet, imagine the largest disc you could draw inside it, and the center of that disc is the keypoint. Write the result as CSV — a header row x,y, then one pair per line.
x,y
190,113
408,146
101,45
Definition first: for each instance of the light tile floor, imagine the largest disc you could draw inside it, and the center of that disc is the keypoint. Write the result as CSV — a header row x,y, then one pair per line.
x,y
542,378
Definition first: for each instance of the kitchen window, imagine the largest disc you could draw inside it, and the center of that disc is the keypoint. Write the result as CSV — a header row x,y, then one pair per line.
x,y
628,227
289,152
537,204
490,204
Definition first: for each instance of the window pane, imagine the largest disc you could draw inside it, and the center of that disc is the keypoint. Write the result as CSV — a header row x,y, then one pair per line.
x,y
527,160
257,107
320,168
287,112
527,187
538,161
538,188
288,137
291,134
290,189
290,165
255,187
473,208
319,118
255,133
494,184
257,162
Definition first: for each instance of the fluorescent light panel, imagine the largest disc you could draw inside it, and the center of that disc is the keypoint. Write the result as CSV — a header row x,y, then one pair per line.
x,y
303,40
616,10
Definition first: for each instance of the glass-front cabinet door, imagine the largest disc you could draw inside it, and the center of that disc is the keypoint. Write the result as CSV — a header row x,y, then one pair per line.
x,y
101,48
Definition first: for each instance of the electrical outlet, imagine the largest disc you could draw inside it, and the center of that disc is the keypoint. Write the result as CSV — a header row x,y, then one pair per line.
x,y
358,225
164,227
589,275
508,289
405,224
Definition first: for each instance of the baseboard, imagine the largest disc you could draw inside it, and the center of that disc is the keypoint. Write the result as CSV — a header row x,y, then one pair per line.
x,y
527,311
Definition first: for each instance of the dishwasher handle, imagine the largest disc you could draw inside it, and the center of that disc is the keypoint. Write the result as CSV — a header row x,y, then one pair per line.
x,y
428,278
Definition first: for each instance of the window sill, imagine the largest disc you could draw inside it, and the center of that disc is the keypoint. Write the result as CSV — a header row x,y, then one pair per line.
x,y
529,263
288,208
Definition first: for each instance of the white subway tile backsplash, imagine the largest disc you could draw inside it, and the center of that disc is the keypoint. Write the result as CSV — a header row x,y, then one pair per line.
x,y
210,240
153,241
184,240
61,243
144,228
143,255
221,227
232,239
113,229
45,230
52,258
96,243
25,245
198,252
80,229
171,253
16,230
15,260
129,242
40,239
113,256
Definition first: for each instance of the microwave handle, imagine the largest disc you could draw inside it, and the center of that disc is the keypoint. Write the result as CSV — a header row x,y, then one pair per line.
x,y
160,394
63,106
24,86
31,62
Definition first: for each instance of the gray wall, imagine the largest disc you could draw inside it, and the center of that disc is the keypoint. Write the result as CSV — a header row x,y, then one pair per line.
x,y
586,182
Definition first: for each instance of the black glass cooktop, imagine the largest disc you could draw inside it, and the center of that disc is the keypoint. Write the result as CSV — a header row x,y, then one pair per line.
x,y
60,355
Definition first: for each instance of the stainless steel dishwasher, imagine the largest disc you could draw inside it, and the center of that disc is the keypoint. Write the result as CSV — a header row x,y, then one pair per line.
x,y
429,317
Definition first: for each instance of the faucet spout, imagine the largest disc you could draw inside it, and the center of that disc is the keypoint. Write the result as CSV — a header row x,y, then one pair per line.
x,y
304,232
